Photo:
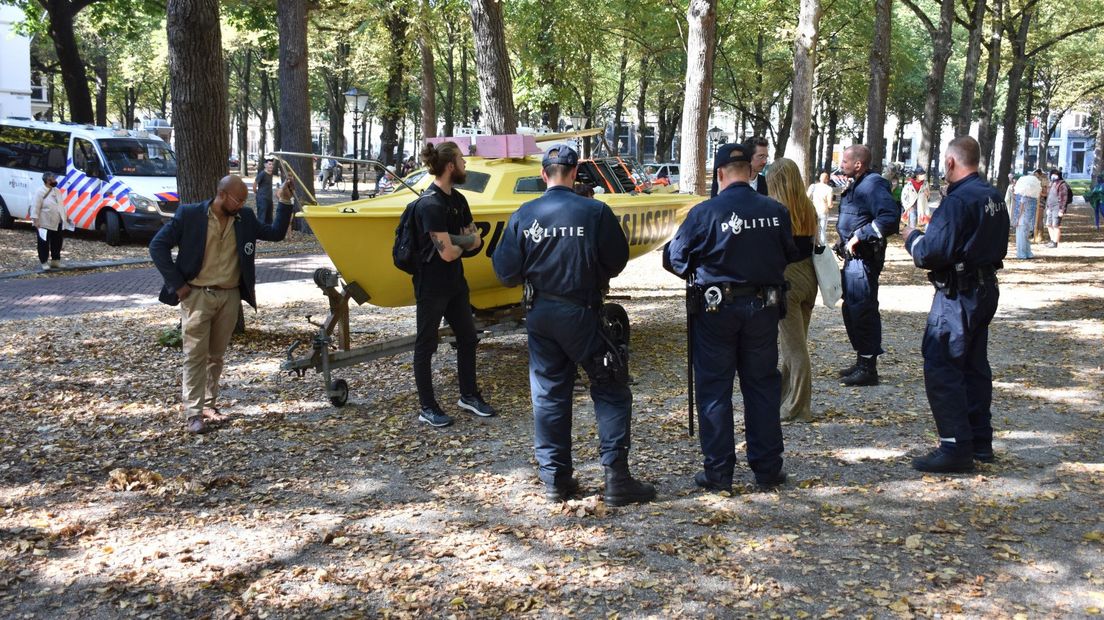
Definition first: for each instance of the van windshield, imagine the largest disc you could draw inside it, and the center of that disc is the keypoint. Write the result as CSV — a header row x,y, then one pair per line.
x,y
135,157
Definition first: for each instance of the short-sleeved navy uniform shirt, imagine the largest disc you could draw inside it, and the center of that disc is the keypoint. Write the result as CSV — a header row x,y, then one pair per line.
x,y
440,212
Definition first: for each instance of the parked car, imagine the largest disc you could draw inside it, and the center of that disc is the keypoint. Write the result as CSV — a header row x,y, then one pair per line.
x,y
665,173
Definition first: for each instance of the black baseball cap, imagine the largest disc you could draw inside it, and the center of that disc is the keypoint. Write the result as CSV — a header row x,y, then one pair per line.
x,y
566,155
732,153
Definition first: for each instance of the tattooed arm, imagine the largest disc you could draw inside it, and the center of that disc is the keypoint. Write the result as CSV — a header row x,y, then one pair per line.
x,y
445,247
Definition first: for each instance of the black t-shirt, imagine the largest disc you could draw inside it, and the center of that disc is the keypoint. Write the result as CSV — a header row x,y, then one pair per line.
x,y
440,212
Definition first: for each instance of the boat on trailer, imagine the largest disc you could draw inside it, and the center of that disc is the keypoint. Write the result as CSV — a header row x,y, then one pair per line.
x,y
503,172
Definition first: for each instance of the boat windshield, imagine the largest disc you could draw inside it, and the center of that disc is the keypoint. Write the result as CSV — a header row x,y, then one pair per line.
x,y
138,157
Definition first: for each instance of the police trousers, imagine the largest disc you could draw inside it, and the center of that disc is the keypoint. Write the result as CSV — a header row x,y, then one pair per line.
x,y
561,336
860,303
456,309
740,338
957,377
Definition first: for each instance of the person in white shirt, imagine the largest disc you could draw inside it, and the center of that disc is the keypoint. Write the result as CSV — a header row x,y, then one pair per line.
x,y
49,218
1026,198
821,195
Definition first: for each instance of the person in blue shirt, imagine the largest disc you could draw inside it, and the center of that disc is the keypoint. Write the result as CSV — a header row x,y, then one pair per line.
x,y
962,249
1096,199
565,248
733,249
868,216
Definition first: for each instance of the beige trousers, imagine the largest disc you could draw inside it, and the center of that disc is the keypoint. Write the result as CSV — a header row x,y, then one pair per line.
x,y
208,319
793,347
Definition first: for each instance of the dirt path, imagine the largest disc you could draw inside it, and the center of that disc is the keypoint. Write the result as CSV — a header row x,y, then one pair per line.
x,y
108,509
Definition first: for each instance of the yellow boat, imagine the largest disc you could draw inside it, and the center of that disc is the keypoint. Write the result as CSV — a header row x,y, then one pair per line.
x,y
358,235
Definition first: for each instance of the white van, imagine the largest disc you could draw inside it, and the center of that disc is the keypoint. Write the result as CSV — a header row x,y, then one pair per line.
x,y
121,182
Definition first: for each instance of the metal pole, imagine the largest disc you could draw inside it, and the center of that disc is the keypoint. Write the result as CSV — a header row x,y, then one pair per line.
x,y
356,117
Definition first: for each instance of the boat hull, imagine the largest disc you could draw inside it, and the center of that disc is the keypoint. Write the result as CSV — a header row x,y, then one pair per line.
x,y
358,237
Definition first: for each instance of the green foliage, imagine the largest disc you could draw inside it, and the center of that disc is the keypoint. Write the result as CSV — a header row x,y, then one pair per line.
x,y
170,338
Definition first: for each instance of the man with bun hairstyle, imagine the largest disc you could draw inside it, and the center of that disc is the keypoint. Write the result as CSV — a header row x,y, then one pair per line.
x,y
447,233
565,248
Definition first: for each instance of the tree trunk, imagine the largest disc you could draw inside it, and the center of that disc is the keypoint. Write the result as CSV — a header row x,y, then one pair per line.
x,y
243,114
1028,119
429,78
619,102
701,43
783,137
931,121
198,97
295,115
1098,155
492,64
274,101
987,134
1012,106
641,110
805,42
588,101
970,73
392,111
878,90
73,75
450,76
262,145
100,71
465,101
336,85
833,135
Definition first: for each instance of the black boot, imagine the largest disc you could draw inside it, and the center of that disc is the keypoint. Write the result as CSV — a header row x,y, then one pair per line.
x,y
850,369
865,374
622,488
946,459
983,451
562,490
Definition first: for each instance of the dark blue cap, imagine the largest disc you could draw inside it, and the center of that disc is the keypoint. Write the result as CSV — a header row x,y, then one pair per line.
x,y
562,154
730,153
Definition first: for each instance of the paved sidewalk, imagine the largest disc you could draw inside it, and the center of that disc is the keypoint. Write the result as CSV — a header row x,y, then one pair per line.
x,y
103,292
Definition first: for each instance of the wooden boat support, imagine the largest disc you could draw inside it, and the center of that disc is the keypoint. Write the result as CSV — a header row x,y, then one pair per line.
x,y
330,351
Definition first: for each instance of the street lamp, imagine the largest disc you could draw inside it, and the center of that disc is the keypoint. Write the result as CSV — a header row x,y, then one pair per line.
x,y
358,101
577,121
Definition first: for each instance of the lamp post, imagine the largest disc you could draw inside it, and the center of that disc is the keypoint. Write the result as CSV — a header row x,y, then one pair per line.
x,y
713,134
358,101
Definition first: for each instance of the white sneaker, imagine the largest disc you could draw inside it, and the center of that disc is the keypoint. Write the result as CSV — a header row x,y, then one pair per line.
x,y
45,266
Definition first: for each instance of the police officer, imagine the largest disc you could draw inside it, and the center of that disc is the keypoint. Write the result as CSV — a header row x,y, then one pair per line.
x,y
734,248
565,248
868,215
963,248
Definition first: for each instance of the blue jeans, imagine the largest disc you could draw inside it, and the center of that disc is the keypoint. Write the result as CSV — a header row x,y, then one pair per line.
x,y
1024,216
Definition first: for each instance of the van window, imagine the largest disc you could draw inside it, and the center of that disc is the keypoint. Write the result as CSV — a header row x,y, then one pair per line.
x,y
36,150
530,185
138,157
85,158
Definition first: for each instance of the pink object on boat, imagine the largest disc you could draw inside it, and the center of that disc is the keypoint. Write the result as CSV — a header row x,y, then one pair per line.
x,y
512,145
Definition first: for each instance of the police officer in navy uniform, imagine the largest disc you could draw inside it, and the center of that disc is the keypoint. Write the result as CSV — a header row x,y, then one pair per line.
x,y
734,248
565,248
963,247
868,215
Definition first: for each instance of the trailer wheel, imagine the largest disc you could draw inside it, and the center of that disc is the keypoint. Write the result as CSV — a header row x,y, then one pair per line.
x,y
339,393
6,219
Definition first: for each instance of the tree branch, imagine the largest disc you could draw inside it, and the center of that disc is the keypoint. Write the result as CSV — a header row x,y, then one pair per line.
x,y
922,17
1062,37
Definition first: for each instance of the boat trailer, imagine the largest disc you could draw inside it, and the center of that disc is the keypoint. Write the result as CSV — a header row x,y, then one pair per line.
x,y
330,351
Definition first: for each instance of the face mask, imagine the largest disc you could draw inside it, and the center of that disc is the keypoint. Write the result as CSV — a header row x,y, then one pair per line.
x,y
1053,177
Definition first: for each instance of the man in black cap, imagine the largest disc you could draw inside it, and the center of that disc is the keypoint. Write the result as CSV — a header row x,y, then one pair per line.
x,y
565,248
734,249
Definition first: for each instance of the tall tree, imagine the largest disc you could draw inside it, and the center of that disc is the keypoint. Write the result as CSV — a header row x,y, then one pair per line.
x,y
976,27
805,43
987,131
701,41
62,16
295,117
878,91
492,64
198,96
429,75
393,109
931,122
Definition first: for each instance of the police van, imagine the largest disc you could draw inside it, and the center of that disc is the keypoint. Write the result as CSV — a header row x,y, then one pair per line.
x,y
120,182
